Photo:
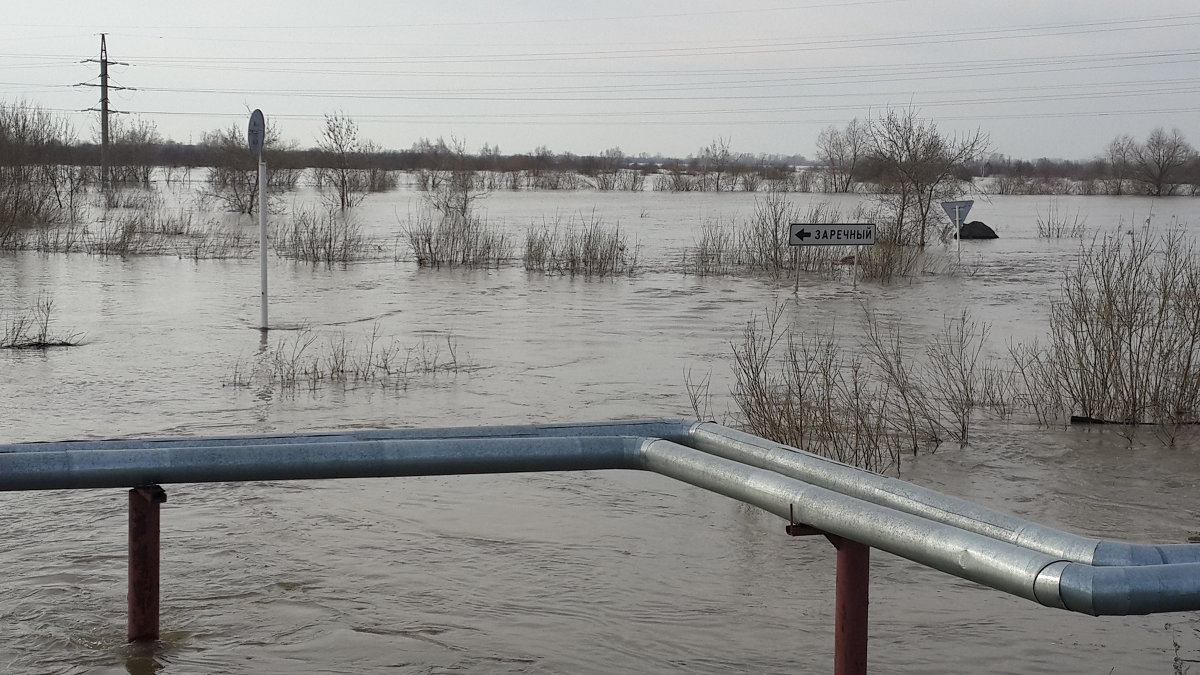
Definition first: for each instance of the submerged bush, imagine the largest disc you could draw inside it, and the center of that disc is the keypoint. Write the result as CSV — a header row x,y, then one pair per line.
x,y
888,261
1058,223
303,358
716,250
589,249
449,230
456,238
35,190
1124,341
215,242
759,246
805,391
31,329
332,236
862,401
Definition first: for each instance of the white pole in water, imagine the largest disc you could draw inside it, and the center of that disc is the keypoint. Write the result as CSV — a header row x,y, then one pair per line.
x,y
262,234
957,236
256,136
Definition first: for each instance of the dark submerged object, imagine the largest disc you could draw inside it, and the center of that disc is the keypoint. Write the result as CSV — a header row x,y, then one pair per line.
x,y
976,230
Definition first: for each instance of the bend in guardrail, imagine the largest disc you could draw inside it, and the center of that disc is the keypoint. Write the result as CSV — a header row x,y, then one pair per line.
x,y
851,506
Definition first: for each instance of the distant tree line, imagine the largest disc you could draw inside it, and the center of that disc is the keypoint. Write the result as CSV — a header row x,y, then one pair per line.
x,y
897,155
136,148
137,145
1162,165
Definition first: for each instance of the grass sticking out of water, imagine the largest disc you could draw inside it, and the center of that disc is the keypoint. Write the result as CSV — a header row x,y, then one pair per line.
x,y
1058,223
306,358
583,246
32,329
455,238
328,237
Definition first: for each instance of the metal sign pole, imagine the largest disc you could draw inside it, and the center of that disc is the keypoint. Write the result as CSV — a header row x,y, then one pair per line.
x,y
256,135
796,264
262,235
957,233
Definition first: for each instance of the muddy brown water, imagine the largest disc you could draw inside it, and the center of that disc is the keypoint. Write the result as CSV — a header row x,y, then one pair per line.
x,y
583,573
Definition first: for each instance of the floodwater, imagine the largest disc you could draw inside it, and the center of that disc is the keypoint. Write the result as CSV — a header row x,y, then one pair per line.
x,y
598,572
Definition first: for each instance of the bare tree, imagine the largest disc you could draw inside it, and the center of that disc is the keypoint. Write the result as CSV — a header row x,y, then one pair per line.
x,y
1158,164
134,141
751,176
918,168
453,189
541,169
343,157
840,150
607,168
677,178
1119,153
714,166
233,178
36,187
1192,175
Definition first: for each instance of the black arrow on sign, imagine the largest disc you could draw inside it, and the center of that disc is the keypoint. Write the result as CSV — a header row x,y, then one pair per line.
x,y
803,234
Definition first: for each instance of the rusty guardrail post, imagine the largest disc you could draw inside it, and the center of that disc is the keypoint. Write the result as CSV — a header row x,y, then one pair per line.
x,y
853,587
143,562
852,595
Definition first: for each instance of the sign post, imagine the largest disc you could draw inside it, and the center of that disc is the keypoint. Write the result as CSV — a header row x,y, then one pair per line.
x,y
958,213
255,135
831,234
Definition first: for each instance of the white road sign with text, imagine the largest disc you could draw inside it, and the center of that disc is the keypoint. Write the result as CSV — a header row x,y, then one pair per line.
x,y
832,234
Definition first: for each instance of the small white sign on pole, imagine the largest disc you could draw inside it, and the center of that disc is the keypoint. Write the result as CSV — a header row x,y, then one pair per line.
x,y
256,135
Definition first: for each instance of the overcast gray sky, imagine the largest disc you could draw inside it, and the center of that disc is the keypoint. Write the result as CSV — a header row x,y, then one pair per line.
x,y
1057,78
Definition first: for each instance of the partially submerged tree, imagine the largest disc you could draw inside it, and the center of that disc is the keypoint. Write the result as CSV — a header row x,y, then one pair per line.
x,y
36,186
1158,164
839,151
447,229
1119,155
1191,175
604,169
714,166
918,167
342,155
233,176
454,190
134,145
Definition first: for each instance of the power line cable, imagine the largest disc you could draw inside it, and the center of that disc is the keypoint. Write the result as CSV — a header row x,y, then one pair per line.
x,y
508,22
781,47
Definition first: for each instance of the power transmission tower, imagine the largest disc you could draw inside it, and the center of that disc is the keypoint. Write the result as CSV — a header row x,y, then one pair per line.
x,y
103,110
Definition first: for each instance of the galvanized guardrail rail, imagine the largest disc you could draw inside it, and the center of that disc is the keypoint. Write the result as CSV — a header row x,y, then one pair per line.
x,y
855,509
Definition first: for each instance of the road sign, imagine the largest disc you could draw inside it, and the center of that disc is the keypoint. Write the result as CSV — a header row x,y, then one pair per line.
x,y
832,234
257,132
958,210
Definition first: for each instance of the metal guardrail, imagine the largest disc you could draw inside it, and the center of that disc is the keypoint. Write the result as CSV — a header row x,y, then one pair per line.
x,y
851,506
